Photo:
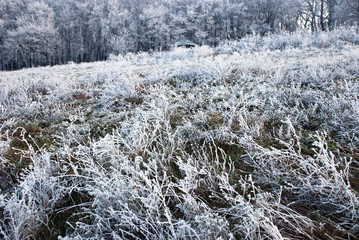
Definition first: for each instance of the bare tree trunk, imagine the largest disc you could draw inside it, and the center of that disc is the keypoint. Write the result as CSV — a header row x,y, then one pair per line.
x,y
331,18
322,25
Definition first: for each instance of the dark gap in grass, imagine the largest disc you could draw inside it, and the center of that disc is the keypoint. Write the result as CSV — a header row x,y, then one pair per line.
x,y
67,211
325,227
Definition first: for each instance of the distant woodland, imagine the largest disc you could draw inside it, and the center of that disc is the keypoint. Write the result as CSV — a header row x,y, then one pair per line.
x,y
48,32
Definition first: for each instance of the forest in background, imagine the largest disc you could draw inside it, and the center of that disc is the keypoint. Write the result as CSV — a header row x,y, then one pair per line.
x,y
49,32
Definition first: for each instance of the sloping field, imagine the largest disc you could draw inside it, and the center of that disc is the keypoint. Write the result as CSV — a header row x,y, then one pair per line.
x,y
256,139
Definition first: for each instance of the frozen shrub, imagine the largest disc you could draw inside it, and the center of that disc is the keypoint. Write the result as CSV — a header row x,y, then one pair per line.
x,y
320,182
203,51
300,39
180,53
26,212
5,139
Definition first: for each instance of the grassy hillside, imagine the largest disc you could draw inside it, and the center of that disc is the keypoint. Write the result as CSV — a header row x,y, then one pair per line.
x,y
256,139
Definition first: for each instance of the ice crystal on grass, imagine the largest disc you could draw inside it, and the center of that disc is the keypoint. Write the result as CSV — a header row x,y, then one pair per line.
x,y
254,139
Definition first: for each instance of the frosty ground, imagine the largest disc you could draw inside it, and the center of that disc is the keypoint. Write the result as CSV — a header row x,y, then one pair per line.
x,y
254,139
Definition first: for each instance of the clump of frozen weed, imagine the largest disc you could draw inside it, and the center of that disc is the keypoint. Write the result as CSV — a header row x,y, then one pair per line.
x,y
27,210
319,182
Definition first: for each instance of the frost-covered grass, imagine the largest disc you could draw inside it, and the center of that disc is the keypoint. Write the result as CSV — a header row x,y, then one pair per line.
x,y
256,139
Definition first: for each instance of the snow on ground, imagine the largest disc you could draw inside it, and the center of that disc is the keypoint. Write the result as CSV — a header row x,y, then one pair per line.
x,y
256,139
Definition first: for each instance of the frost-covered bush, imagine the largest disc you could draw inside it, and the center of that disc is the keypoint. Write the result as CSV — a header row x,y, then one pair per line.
x,y
26,212
320,182
5,139
301,39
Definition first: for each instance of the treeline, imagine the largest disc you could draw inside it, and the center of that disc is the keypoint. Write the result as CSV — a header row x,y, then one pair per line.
x,y
49,32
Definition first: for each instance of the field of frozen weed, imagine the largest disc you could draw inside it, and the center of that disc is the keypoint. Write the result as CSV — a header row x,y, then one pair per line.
x,y
256,139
